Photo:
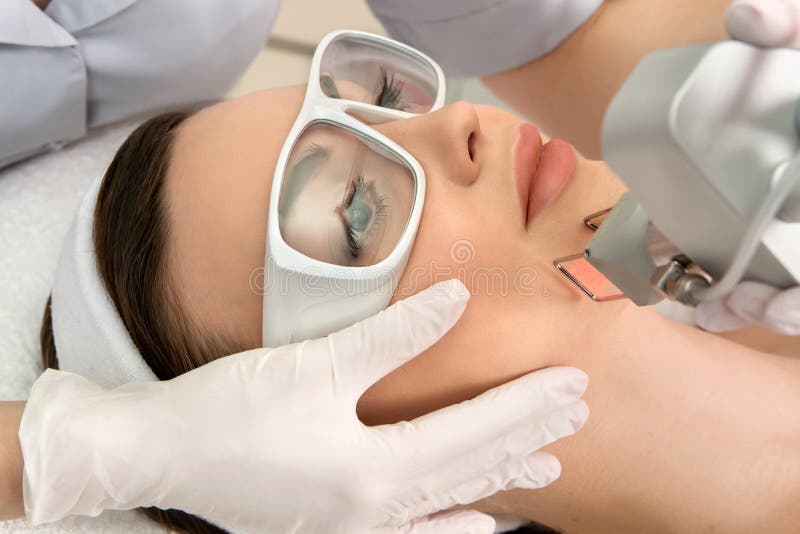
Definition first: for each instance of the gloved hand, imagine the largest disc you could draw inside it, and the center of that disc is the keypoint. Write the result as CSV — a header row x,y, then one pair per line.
x,y
269,440
753,303
768,23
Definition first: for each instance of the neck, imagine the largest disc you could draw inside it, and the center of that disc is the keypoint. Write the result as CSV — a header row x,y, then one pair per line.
x,y
698,422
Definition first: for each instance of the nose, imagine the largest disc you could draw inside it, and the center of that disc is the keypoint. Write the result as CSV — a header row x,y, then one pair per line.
x,y
442,142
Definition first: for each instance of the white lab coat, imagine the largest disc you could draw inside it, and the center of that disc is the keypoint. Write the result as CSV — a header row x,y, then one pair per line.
x,y
480,37
86,63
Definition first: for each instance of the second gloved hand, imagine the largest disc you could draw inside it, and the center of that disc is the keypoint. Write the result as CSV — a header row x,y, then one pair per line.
x,y
767,23
269,440
753,303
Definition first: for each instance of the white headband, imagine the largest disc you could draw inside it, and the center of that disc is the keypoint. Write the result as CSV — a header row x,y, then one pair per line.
x,y
90,338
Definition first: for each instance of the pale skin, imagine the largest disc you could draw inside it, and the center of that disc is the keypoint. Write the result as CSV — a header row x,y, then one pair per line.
x,y
688,432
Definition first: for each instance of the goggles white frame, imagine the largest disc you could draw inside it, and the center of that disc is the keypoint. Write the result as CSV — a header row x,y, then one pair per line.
x,y
305,298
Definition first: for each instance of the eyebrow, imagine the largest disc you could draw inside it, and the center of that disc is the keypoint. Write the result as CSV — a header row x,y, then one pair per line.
x,y
298,176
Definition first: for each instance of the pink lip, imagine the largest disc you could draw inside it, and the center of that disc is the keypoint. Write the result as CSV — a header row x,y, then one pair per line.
x,y
540,171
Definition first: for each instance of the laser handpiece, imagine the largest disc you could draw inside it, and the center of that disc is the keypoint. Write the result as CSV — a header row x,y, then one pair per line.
x,y
707,138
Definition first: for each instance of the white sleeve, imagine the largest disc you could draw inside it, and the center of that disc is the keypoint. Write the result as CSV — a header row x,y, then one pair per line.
x,y
82,64
42,83
147,55
481,37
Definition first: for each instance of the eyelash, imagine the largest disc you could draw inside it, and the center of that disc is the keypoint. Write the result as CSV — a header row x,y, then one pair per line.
x,y
391,89
352,242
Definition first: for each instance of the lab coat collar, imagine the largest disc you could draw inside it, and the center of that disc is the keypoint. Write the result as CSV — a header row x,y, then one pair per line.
x,y
77,15
24,24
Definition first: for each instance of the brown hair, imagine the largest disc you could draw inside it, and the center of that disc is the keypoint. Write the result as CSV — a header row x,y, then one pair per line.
x,y
131,242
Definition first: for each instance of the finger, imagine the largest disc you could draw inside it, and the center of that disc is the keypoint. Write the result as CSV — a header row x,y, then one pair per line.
x,y
364,353
509,461
440,436
749,300
457,522
491,461
769,23
532,471
715,316
783,313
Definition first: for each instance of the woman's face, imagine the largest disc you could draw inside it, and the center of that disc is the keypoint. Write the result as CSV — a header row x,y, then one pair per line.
x,y
479,222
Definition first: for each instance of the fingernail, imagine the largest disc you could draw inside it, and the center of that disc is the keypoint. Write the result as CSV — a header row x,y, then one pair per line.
x,y
784,328
580,383
568,421
763,22
579,415
790,318
783,313
453,288
543,474
567,382
577,384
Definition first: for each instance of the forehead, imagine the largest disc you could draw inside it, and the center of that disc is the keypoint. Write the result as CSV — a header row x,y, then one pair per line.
x,y
217,192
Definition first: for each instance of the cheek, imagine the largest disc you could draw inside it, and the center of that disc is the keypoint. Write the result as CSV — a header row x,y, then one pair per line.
x,y
462,234
484,348
469,233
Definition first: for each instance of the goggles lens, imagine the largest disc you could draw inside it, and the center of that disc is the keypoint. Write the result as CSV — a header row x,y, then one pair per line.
x,y
345,199
370,71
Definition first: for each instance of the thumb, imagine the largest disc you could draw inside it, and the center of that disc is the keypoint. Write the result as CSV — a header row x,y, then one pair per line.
x,y
769,23
369,350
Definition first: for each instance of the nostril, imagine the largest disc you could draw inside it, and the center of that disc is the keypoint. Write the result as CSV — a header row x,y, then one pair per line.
x,y
471,146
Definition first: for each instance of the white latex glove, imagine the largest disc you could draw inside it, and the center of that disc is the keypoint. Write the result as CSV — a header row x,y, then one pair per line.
x,y
269,441
768,23
752,303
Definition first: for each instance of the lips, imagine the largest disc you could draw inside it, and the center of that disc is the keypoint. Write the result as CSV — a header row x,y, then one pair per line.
x,y
540,171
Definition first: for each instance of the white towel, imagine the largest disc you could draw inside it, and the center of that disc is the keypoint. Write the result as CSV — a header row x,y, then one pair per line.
x,y
38,199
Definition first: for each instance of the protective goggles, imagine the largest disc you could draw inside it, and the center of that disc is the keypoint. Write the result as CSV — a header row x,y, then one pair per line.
x,y
346,200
